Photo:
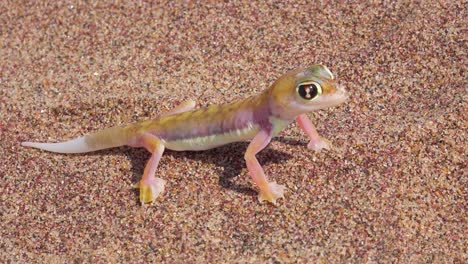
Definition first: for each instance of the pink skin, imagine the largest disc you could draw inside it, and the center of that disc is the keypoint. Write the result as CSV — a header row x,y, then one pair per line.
x,y
316,142
150,186
269,191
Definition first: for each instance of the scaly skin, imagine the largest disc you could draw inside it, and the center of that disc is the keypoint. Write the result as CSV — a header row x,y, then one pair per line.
x,y
257,118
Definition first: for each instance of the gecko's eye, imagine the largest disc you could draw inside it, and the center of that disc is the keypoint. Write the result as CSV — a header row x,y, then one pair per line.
x,y
309,91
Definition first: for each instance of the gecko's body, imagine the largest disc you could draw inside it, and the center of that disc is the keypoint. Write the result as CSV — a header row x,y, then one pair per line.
x,y
212,126
257,118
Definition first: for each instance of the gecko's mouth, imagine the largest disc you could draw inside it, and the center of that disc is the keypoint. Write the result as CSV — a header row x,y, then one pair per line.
x,y
337,98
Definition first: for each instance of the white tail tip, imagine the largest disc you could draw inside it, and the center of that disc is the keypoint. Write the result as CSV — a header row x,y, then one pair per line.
x,y
77,145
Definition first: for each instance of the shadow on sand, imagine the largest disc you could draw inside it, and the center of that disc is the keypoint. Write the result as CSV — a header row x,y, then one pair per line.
x,y
229,157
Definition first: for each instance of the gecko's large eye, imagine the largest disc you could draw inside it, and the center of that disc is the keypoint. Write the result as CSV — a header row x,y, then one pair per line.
x,y
309,91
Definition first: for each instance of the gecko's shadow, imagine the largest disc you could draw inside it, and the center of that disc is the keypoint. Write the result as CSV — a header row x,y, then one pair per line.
x,y
230,157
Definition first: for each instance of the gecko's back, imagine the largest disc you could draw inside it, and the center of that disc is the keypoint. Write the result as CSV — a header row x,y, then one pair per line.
x,y
211,126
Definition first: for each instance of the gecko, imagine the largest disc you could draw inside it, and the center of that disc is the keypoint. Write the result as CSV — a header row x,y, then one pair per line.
x,y
257,118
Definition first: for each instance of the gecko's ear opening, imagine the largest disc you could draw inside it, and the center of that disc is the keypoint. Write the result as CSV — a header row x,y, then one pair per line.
x,y
321,71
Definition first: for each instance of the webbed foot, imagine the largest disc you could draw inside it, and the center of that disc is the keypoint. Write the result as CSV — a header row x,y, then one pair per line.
x,y
320,144
150,189
274,192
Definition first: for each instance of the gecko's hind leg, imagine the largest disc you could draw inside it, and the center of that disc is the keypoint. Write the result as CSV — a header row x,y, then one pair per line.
x,y
269,191
183,107
150,186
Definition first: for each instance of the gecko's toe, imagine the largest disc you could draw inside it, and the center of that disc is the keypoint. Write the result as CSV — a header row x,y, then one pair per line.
x,y
150,189
274,192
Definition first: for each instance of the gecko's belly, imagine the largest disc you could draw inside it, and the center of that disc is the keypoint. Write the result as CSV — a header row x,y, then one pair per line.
x,y
212,141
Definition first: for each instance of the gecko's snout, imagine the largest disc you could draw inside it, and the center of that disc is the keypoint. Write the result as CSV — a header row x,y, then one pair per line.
x,y
342,90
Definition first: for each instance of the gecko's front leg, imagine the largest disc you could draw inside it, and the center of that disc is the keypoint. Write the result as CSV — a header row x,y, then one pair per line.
x,y
316,141
150,186
269,191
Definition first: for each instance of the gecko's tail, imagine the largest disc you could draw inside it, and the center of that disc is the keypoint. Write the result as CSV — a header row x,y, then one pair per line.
x,y
107,138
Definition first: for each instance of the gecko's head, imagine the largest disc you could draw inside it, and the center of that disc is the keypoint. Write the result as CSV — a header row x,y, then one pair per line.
x,y
306,89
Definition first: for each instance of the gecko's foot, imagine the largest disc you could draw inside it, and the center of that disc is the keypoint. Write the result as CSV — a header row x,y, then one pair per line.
x,y
150,189
274,191
320,144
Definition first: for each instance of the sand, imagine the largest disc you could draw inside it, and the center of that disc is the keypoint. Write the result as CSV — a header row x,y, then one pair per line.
x,y
393,189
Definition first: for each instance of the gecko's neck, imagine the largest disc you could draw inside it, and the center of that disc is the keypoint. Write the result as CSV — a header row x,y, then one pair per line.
x,y
264,114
